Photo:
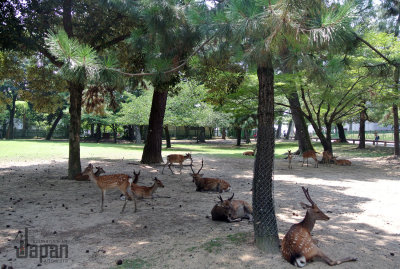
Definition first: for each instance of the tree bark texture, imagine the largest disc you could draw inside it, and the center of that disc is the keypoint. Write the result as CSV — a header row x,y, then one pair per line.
x,y
223,133
265,225
238,136
74,160
11,110
167,136
342,134
152,147
60,114
304,139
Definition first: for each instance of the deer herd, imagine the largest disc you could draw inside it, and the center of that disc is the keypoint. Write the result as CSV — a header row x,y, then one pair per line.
x,y
297,246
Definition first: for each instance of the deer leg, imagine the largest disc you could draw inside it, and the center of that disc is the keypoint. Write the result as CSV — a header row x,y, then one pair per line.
x,y
134,201
180,171
123,208
162,172
332,262
169,166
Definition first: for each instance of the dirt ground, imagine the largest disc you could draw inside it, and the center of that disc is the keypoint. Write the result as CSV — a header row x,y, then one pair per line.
x,y
362,202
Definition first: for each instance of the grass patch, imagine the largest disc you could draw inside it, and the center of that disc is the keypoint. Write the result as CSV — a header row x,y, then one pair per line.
x,y
238,238
214,245
137,263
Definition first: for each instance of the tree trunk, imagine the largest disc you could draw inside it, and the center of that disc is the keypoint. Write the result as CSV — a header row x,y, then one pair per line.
x,y
167,136
187,132
238,136
4,130
265,226
10,131
24,125
279,130
223,132
92,133
342,135
137,134
289,130
98,133
201,135
74,160
361,134
247,135
152,147
304,139
55,123
396,115
114,128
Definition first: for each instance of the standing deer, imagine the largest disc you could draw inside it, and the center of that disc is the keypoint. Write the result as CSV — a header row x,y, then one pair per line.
x,y
341,162
290,157
232,210
176,158
120,181
81,177
310,154
209,184
298,247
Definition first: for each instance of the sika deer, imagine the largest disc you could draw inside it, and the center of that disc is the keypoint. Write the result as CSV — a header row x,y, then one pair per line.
x,y
232,210
209,184
341,162
120,181
249,153
327,157
298,246
176,158
136,176
290,157
310,154
80,177
141,192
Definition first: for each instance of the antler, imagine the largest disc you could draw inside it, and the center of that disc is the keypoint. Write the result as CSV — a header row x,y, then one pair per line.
x,y
308,195
201,166
231,197
219,196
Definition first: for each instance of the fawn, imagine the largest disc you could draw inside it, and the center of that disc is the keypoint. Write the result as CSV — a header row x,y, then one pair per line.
x,y
209,184
232,210
80,177
310,154
120,181
141,192
176,158
290,157
249,153
298,247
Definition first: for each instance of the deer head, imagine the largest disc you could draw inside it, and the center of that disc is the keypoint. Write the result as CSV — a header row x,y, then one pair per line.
x,y
158,182
197,175
313,211
88,170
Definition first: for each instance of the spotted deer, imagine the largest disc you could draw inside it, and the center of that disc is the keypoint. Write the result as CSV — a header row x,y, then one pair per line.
x,y
81,177
310,154
141,192
341,162
209,184
176,158
120,181
290,157
298,247
232,210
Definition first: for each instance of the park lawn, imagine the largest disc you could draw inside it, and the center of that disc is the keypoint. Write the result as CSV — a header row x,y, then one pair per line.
x,y
17,150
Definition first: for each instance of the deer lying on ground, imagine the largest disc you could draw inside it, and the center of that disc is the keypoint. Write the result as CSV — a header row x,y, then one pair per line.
x,y
327,157
310,154
341,162
176,158
136,179
209,184
290,157
141,192
232,210
298,247
81,177
120,181
249,153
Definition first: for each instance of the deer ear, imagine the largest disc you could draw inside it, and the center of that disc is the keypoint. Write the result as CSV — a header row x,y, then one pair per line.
x,y
304,206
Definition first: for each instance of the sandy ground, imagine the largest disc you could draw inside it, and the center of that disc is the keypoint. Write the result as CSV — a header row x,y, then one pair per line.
x,y
362,201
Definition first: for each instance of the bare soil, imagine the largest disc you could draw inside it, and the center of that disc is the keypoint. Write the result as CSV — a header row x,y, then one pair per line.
x,y
362,201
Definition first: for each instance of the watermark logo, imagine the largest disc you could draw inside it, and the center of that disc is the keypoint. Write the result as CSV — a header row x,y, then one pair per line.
x,y
47,251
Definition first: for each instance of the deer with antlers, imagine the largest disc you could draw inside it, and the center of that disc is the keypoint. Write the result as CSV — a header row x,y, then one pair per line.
x,y
120,181
176,158
208,184
298,247
232,210
310,154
